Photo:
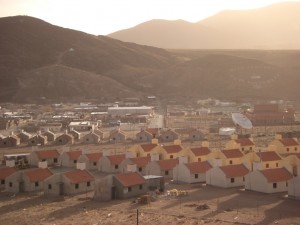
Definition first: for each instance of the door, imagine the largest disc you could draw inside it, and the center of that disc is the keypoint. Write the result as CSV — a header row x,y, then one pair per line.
x,y
113,193
61,189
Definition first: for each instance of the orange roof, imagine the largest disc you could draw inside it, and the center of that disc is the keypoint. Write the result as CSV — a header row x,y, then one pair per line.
x,y
148,147
130,179
78,176
268,156
74,155
167,164
47,154
6,171
238,170
38,174
198,167
244,142
276,175
199,151
172,148
116,159
232,153
141,161
94,157
289,142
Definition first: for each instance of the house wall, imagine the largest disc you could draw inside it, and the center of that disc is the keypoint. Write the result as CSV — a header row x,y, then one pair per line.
x,y
168,136
216,177
123,193
281,149
30,186
37,140
103,189
9,142
143,137
15,180
65,161
294,187
117,138
90,139
63,140
106,166
89,165
196,136
153,168
54,181
50,137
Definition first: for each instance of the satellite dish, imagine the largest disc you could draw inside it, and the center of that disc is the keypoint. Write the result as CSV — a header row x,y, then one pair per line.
x,y
241,120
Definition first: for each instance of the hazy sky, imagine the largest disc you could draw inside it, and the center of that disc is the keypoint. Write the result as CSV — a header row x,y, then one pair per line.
x,y
106,16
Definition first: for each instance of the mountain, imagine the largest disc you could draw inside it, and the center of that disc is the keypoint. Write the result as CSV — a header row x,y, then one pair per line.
x,y
42,61
33,51
272,27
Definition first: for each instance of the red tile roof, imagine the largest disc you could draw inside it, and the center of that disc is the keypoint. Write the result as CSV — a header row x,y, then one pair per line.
x,y
116,159
148,147
130,179
37,174
74,155
276,175
172,148
198,167
244,142
153,131
167,164
200,151
268,156
78,176
94,157
238,170
232,153
47,154
6,171
141,161
289,142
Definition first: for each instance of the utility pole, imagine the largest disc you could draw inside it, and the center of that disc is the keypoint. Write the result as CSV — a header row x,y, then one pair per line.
x,y
137,216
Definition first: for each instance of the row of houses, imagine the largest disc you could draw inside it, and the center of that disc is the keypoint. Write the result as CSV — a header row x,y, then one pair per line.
x,y
95,136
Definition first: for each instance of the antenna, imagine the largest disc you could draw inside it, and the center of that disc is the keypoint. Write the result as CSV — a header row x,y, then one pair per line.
x,y
241,120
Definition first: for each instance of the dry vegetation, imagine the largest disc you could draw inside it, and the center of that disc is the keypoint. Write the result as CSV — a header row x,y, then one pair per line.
x,y
203,205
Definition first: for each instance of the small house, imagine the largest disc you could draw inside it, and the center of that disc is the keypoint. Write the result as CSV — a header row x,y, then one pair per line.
x,y
5,172
144,136
37,139
244,144
50,135
227,176
171,151
168,135
10,141
50,156
69,158
91,138
117,136
64,139
24,136
111,163
90,160
268,180
162,168
142,150
195,135
192,172
135,164
128,185
285,145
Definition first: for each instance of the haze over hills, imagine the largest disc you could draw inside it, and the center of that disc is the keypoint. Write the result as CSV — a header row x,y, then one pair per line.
x,y
272,27
38,60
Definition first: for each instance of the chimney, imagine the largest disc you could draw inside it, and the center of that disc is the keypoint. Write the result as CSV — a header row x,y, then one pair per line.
x,y
80,166
205,144
43,165
183,159
154,141
154,157
131,168
177,142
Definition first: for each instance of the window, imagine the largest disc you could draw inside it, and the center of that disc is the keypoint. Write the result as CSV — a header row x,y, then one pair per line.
x,y
287,184
10,184
196,176
129,189
88,184
267,165
87,139
116,167
295,148
232,180
194,136
43,160
75,161
141,186
4,142
199,159
274,185
60,140
276,164
167,137
55,160
166,172
76,186
141,138
2,181
287,149
243,178
140,169
250,148
95,163
171,156
243,149
230,162
36,184
49,186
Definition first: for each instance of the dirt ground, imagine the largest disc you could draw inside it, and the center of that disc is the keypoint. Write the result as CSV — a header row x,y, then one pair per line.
x,y
203,205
